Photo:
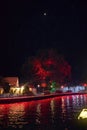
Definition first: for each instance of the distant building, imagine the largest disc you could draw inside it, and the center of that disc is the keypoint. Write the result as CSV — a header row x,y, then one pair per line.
x,y
77,88
13,81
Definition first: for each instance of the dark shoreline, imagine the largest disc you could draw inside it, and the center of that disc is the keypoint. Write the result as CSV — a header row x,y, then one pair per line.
x,y
6,100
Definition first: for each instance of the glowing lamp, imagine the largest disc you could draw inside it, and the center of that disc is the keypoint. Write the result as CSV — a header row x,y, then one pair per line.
x,y
43,85
51,86
38,85
30,89
85,85
83,114
22,89
62,86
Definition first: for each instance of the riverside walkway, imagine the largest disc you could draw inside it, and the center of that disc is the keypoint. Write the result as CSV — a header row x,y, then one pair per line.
x,y
24,98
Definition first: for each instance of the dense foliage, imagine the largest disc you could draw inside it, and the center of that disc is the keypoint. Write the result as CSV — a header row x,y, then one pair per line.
x,y
47,65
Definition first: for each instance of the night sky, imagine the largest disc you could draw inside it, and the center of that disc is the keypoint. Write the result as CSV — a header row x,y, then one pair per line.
x,y
28,26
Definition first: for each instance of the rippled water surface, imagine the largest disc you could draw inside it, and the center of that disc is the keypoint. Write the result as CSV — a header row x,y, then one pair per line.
x,y
59,113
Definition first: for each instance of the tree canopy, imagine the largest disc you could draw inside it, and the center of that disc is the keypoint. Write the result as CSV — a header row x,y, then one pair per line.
x,y
47,65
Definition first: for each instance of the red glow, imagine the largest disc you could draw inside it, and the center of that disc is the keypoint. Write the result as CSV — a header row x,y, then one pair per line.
x,y
52,68
43,85
62,86
85,85
48,66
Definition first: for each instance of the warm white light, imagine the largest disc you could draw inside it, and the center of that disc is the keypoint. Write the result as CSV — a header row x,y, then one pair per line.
x,y
38,85
1,90
30,89
22,89
51,86
62,86
83,114
17,90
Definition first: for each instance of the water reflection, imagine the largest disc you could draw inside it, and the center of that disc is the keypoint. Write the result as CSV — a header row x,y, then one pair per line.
x,y
63,109
52,105
38,112
16,115
43,114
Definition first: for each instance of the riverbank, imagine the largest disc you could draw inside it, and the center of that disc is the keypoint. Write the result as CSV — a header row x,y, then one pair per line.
x,y
14,99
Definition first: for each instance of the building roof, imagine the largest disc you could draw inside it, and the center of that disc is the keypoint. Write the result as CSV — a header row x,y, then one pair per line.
x,y
13,81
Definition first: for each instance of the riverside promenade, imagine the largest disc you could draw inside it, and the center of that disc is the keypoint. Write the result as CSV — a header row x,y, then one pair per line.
x,y
14,99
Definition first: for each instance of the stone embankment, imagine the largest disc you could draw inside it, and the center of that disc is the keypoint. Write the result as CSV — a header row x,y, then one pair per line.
x,y
14,99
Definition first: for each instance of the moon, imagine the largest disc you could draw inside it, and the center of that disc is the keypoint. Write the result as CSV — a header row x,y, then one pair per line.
x,y
45,14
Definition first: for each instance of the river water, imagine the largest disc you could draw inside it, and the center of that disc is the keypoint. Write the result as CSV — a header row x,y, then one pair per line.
x,y
58,113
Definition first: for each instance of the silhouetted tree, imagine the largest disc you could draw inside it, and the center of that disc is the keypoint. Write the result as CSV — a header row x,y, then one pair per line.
x,y
5,85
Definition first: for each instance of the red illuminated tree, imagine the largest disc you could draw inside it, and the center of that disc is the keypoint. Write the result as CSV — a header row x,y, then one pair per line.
x,y
47,65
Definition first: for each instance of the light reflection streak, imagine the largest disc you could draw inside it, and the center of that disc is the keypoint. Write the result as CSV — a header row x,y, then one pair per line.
x,y
3,115
68,103
63,109
16,115
52,105
38,111
42,112
63,106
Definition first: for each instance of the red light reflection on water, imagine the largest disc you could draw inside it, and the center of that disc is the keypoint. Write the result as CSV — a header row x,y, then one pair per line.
x,y
43,112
